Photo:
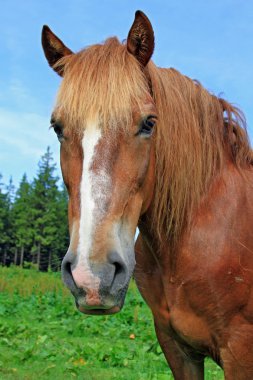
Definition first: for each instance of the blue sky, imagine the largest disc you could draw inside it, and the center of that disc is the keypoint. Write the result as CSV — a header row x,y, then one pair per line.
x,y
207,40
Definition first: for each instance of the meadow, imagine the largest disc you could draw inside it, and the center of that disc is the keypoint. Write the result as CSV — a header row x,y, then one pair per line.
x,y
43,336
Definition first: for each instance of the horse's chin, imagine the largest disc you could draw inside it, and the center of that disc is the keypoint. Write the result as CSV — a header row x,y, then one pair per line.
x,y
109,306
99,311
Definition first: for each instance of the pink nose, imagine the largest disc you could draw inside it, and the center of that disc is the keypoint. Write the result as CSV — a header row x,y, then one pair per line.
x,y
85,280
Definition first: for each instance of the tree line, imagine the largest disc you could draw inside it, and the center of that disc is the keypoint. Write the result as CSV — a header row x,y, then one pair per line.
x,y
33,219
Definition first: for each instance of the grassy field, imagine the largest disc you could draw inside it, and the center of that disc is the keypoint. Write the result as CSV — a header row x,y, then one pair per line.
x,y
42,336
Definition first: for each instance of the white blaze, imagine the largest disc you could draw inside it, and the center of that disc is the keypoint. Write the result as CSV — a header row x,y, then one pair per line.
x,y
82,273
95,189
91,138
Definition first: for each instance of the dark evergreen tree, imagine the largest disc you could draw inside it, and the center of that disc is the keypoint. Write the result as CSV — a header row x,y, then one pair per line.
x,y
22,222
10,192
60,244
4,222
10,241
44,209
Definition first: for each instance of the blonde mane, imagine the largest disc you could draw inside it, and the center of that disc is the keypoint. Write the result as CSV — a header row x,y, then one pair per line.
x,y
195,132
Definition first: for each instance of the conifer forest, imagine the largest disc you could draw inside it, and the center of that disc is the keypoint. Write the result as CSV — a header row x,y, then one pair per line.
x,y
33,219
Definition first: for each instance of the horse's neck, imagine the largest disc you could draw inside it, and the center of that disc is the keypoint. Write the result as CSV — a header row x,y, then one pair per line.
x,y
228,189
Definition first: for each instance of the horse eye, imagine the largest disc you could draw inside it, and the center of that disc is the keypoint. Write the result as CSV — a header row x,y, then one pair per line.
x,y
147,126
58,130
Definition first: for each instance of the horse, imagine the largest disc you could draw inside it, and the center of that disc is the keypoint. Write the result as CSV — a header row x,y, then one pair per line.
x,y
147,146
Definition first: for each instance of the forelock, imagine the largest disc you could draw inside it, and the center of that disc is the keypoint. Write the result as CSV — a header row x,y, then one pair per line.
x,y
102,81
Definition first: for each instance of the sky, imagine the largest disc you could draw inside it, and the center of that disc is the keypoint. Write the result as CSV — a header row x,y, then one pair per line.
x,y
211,41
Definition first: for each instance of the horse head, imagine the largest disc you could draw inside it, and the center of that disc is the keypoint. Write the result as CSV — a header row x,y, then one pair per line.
x,y
105,120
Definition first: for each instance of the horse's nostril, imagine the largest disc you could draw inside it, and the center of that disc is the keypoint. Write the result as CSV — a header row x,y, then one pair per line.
x,y
120,276
67,274
67,267
118,268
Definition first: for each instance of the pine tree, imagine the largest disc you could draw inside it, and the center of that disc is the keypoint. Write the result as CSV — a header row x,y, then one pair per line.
x,y
10,245
44,209
4,221
61,242
22,220
10,192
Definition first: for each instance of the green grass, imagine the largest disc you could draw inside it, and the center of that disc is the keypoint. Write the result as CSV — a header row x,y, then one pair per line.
x,y
42,336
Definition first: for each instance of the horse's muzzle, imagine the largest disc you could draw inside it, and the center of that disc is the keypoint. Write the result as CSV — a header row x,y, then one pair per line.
x,y
98,288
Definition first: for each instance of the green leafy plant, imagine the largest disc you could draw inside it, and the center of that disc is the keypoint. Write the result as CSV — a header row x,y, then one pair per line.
x,y
42,333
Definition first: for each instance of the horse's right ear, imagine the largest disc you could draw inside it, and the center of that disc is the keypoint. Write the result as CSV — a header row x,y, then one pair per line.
x,y
140,40
54,49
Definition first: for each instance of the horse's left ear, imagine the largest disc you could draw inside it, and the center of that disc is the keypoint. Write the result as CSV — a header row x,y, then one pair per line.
x,y
54,49
140,40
